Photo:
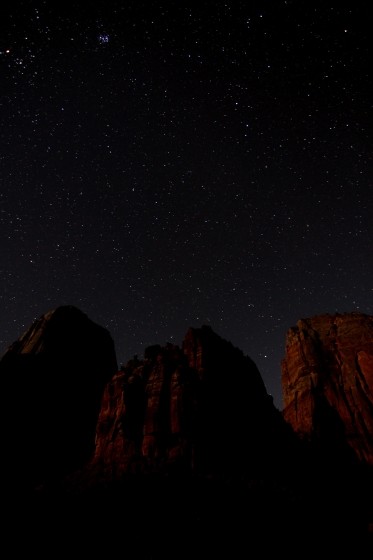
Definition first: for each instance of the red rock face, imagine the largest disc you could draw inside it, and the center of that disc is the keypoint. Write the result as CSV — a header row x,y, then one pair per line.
x,y
202,407
327,380
146,412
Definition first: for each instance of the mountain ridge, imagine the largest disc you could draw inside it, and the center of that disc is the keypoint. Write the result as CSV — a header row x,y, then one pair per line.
x,y
186,438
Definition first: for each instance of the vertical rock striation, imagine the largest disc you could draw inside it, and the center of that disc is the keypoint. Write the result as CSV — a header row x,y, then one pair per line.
x,y
327,379
200,408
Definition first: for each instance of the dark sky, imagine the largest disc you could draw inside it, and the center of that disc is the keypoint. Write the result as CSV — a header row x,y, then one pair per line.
x,y
173,164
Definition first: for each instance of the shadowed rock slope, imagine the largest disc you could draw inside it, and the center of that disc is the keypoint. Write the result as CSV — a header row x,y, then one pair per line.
x,y
52,380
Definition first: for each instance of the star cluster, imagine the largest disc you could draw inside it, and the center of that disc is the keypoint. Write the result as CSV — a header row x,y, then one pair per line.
x,y
165,165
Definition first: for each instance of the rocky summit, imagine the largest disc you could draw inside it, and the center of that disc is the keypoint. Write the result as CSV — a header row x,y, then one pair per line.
x,y
52,379
201,407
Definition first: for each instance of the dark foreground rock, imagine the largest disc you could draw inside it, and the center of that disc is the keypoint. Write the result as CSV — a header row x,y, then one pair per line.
x,y
179,455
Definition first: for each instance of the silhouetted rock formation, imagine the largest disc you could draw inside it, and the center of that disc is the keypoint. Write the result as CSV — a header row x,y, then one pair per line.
x,y
52,379
200,408
327,379
189,457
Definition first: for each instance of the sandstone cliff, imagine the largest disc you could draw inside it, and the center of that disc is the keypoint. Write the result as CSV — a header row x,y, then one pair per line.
x,y
200,408
327,379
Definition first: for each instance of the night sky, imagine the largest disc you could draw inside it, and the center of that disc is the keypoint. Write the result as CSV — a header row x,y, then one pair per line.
x,y
173,164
